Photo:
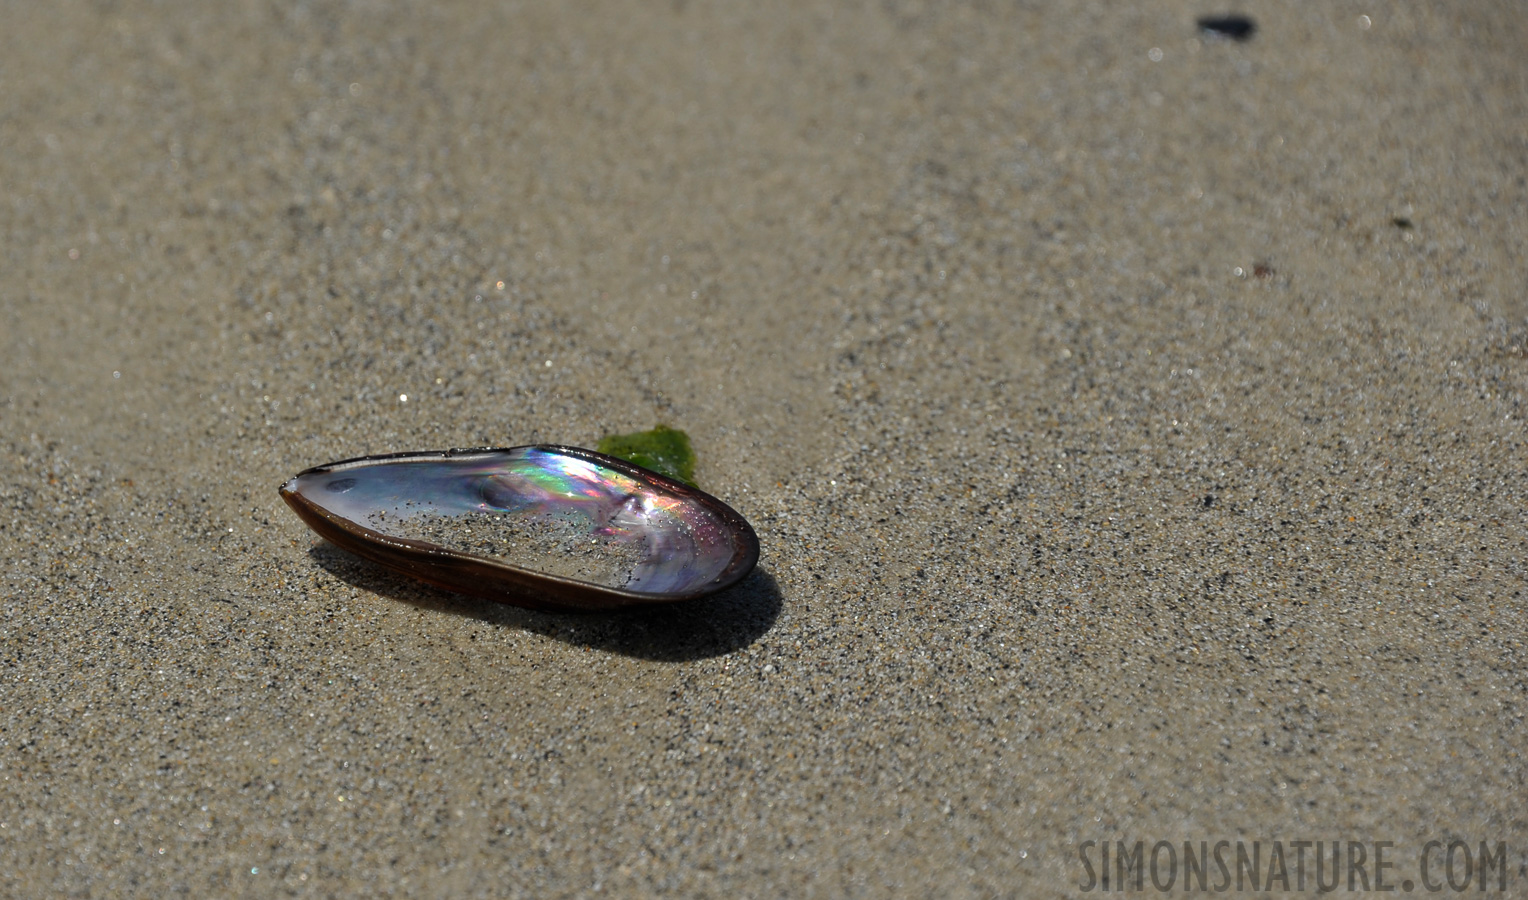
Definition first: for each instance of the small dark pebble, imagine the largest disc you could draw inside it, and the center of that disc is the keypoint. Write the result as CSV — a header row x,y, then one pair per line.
x,y
1262,271
1237,28
1401,222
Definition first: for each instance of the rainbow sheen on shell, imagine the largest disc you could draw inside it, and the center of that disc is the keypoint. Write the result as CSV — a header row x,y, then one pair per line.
x,y
545,526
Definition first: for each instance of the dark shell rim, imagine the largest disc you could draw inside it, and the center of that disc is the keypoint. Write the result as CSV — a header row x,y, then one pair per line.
x,y
496,579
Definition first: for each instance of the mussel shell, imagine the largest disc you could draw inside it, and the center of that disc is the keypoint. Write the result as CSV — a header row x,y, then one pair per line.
x,y
697,544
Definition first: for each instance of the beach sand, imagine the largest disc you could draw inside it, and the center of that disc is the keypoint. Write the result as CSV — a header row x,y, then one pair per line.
x,y
1132,422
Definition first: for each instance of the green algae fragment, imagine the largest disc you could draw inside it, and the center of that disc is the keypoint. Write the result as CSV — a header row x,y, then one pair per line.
x,y
665,450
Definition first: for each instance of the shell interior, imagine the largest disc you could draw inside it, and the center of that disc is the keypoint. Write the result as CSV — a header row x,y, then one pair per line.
x,y
541,509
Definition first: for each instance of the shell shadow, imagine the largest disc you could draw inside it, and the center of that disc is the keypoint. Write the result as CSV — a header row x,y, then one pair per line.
x,y
695,629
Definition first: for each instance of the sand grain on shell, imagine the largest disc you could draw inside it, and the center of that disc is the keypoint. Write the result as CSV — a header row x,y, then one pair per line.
x,y
552,545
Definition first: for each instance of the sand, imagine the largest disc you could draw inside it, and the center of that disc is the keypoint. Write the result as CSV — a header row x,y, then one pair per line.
x,y
1132,423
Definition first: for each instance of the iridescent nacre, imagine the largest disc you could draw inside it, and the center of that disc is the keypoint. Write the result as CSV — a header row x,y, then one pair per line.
x,y
545,526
